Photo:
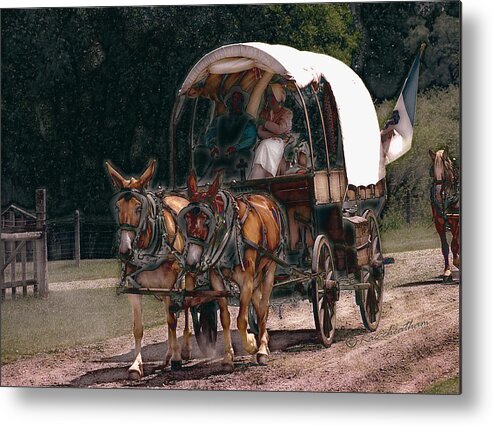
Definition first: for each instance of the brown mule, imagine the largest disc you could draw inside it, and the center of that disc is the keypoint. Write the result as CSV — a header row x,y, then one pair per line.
x,y
259,221
445,207
134,211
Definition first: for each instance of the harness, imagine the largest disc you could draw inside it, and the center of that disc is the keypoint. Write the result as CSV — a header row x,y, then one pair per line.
x,y
225,245
160,248
222,247
449,191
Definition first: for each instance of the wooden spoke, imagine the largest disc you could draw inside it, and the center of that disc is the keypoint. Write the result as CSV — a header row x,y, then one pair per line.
x,y
370,300
323,291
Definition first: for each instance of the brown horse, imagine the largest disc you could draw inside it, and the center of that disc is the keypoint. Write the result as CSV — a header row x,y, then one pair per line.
x,y
445,206
227,237
144,221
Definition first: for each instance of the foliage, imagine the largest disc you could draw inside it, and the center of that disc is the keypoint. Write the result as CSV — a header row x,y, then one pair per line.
x,y
83,85
392,33
437,124
80,86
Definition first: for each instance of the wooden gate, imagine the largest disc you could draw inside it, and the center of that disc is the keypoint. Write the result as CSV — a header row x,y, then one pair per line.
x,y
23,249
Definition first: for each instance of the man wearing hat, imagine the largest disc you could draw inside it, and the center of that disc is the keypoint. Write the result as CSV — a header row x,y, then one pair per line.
x,y
274,129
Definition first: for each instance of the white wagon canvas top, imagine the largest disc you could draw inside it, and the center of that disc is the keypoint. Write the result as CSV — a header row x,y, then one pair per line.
x,y
357,116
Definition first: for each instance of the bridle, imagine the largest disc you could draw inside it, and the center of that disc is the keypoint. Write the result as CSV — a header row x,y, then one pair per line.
x,y
221,228
160,247
445,186
146,201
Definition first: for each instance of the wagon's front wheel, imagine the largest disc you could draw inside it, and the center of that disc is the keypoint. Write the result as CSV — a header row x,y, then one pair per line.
x,y
370,301
204,319
324,290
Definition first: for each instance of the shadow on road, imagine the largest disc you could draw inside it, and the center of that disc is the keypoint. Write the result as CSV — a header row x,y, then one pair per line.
x,y
434,281
155,374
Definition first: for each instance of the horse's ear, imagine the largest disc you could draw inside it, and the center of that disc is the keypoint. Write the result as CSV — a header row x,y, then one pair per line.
x,y
216,185
148,174
432,155
446,153
192,185
117,179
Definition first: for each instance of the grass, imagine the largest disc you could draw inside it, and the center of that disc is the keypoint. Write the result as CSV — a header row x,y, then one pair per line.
x,y
91,269
65,270
449,386
409,238
32,325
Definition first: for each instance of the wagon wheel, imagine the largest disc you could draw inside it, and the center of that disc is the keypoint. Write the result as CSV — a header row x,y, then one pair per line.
x,y
252,319
324,291
370,300
204,318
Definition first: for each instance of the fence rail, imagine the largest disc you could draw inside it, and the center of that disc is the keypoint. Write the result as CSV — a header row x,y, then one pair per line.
x,y
23,249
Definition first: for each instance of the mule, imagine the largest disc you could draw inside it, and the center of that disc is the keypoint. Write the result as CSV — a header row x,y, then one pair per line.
x,y
227,238
145,220
445,206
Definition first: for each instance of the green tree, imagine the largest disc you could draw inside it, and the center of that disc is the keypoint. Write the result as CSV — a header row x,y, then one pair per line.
x,y
83,85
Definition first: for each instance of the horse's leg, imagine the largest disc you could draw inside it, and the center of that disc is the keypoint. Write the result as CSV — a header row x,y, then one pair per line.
x,y
186,346
245,281
174,350
136,370
217,284
440,227
263,313
455,227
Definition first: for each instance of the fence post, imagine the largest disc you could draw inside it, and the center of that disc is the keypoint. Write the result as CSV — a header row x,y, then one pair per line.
x,y
2,260
77,238
41,243
14,260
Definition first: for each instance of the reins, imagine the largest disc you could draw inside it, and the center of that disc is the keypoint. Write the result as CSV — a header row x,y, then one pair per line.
x,y
160,248
446,186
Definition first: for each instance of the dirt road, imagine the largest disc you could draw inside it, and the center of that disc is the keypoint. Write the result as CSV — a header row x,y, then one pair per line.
x,y
417,343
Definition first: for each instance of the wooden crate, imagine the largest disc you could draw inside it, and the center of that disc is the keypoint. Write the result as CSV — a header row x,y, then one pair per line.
x,y
361,232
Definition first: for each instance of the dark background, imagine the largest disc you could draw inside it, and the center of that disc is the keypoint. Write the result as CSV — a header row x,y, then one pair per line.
x,y
80,86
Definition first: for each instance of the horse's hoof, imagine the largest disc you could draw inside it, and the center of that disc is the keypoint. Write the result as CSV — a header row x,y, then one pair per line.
x,y
448,279
186,354
251,344
262,359
227,366
175,365
134,375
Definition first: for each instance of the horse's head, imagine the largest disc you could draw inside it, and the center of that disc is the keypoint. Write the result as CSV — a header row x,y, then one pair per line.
x,y
442,166
131,206
198,219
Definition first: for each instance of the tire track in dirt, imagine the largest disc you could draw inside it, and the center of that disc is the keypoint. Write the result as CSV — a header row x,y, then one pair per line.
x,y
417,343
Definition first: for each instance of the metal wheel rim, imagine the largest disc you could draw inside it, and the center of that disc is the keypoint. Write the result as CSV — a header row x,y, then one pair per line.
x,y
324,309
371,307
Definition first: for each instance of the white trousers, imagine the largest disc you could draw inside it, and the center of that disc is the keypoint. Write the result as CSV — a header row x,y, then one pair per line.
x,y
269,154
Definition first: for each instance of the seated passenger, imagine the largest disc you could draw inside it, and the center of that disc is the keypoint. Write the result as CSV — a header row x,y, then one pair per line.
x,y
233,131
230,137
274,128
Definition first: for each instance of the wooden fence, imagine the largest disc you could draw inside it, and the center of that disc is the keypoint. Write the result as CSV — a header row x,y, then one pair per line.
x,y
23,249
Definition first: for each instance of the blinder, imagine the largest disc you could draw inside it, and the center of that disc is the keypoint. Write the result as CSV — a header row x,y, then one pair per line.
x,y
146,202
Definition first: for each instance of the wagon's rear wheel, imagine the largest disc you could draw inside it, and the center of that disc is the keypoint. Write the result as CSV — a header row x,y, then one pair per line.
x,y
204,319
370,301
324,290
